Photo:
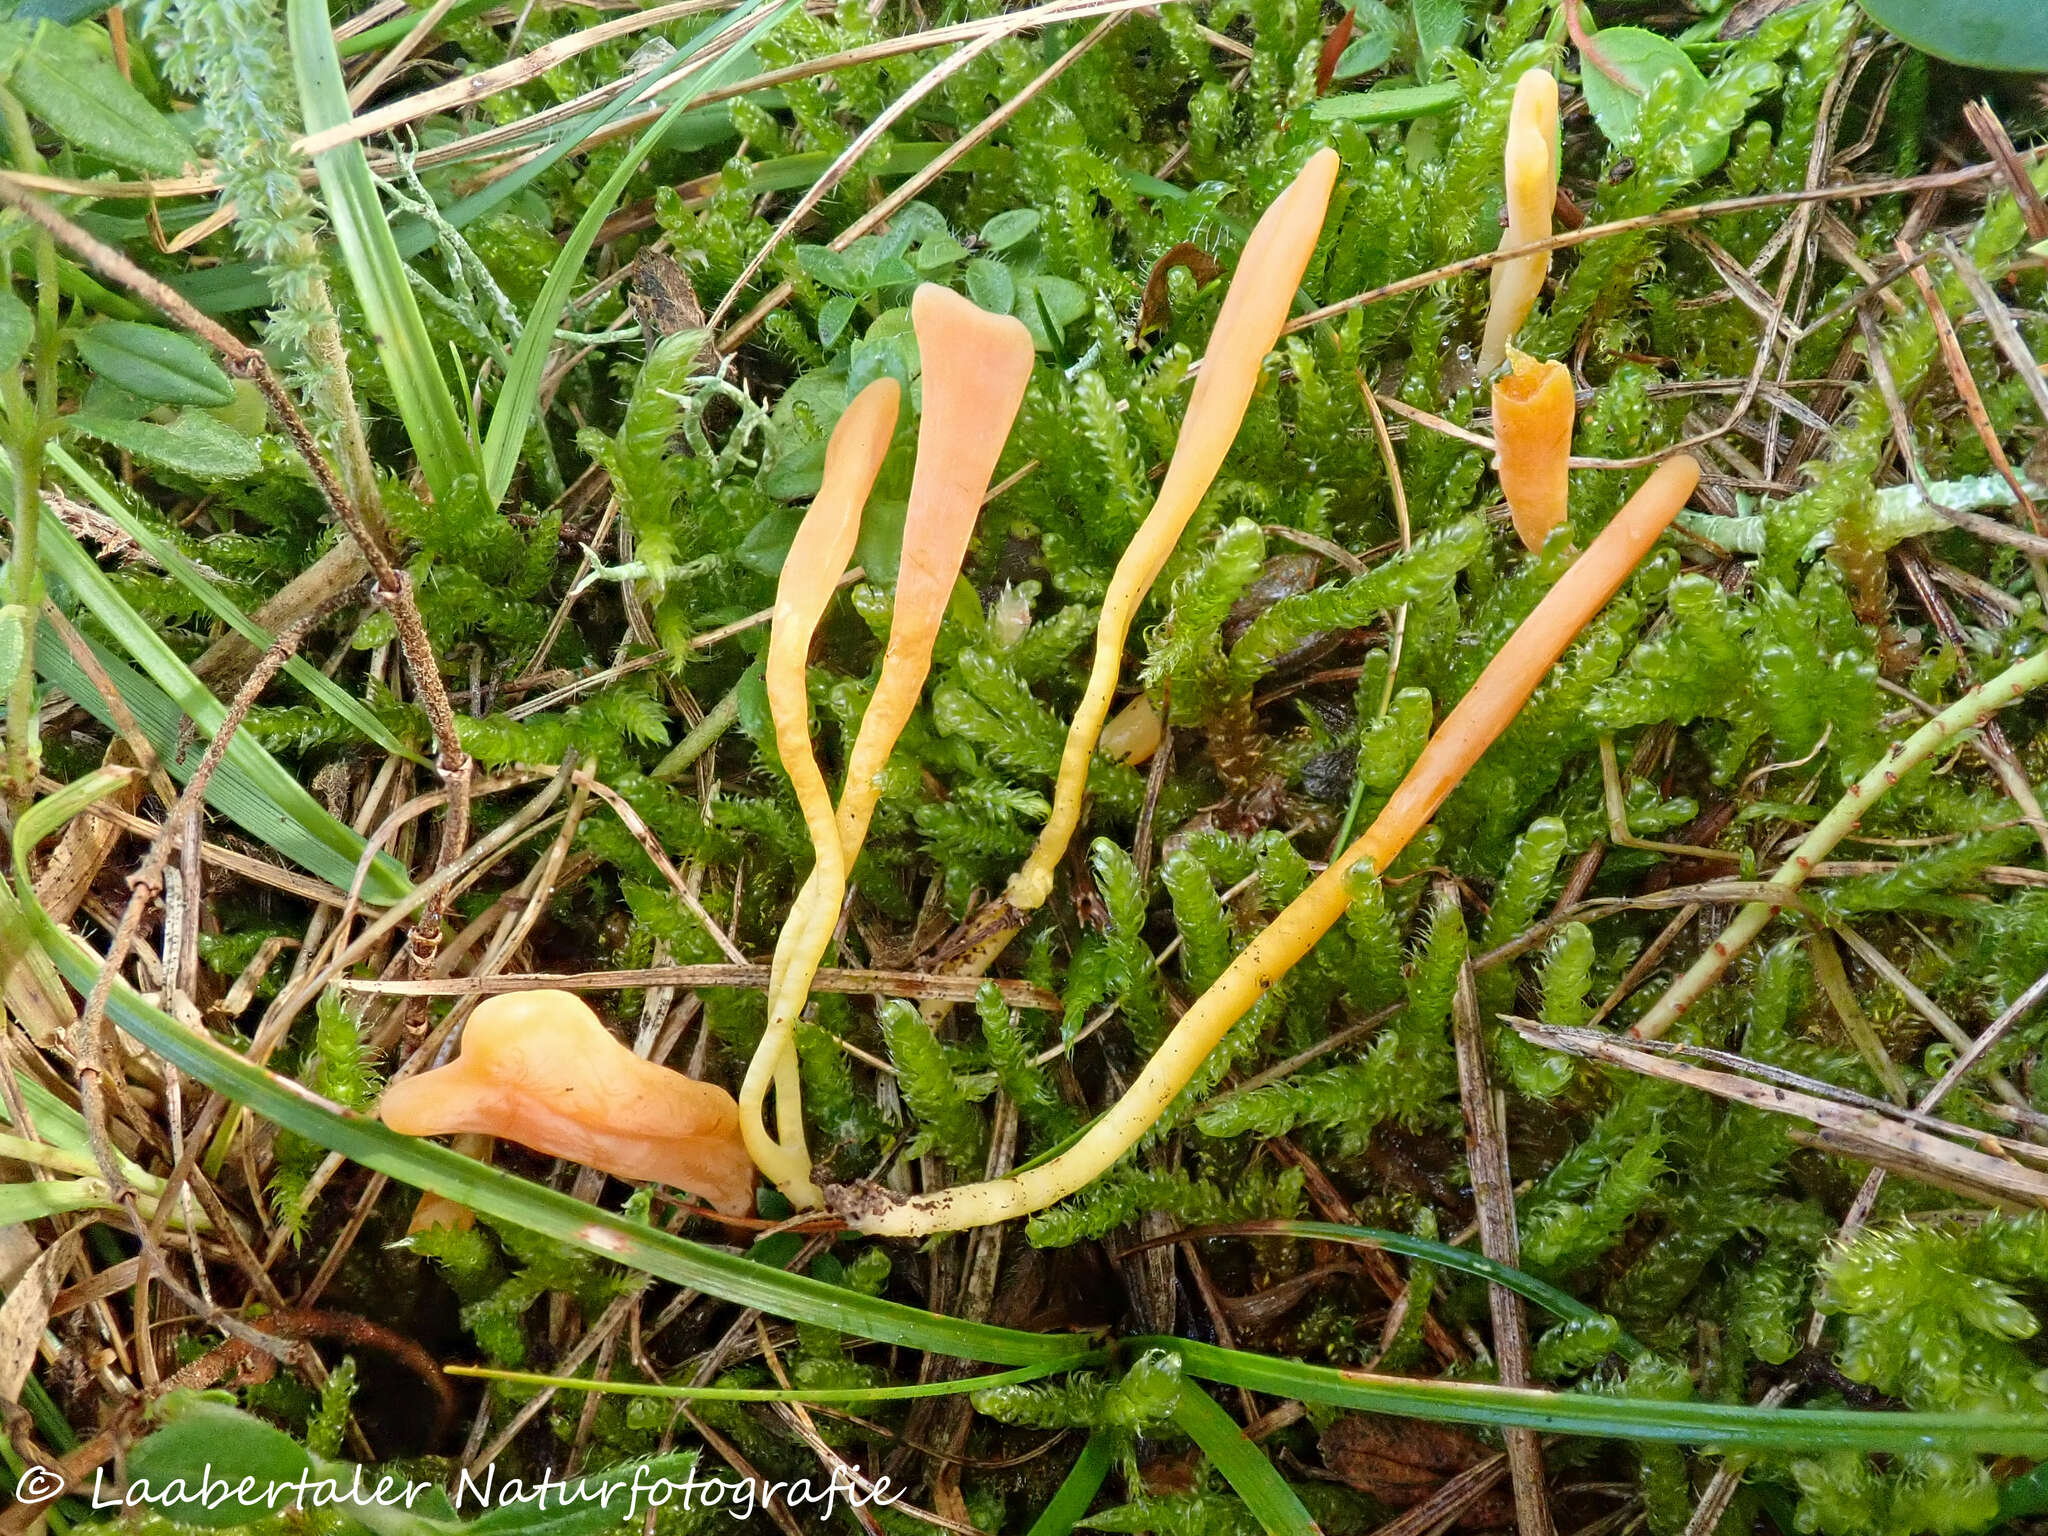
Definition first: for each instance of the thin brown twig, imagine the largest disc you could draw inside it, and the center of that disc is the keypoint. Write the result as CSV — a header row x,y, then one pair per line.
x,y
394,586
1493,1193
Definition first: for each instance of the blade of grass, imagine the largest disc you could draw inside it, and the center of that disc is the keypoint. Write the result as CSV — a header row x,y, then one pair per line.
x,y
188,574
1565,1307
491,1191
520,397
1069,1503
1252,1477
952,1388
252,788
1729,1426
374,265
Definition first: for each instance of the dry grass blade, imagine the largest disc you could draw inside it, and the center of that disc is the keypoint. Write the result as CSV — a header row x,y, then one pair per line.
x,y
2003,329
915,984
986,129
1493,1193
486,83
1871,1132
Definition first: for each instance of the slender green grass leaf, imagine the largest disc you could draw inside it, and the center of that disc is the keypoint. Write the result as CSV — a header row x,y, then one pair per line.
x,y
491,1191
428,410
194,579
1559,1303
1252,1477
954,1388
520,397
252,787
1070,1501
1729,1426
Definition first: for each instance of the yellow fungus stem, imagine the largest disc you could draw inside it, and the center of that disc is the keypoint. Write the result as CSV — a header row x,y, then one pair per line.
x,y
810,575
975,367
1531,175
1484,712
1261,291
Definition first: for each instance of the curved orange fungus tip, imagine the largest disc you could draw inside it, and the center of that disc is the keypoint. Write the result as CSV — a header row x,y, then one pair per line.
x,y
1133,733
975,368
540,1069
1531,164
1261,292
810,575
1533,407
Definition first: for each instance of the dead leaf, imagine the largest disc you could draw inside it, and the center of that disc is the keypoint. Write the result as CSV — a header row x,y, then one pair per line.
x,y
1401,1462
26,1313
1157,307
663,298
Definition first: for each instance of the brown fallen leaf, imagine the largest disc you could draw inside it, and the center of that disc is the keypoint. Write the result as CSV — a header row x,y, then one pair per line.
x,y
1157,306
1401,1462
663,298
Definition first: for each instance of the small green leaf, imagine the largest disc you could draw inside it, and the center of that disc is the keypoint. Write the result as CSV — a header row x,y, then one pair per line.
x,y
1007,229
1389,103
1066,302
938,250
1639,56
155,363
1363,56
17,329
62,79
990,285
191,443
767,544
833,268
879,548
1984,34
1439,27
833,318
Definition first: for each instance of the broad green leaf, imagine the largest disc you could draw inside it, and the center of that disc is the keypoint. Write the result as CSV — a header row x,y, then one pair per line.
x,y
520,396
767,543
363,230
194,579
1639,56
833,268
191,443
1389,103
251,787
154,363
62,79
202,1456
1984,34
17,329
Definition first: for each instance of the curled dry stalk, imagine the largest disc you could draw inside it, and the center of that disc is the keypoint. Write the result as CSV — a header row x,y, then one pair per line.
x,y
393,588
